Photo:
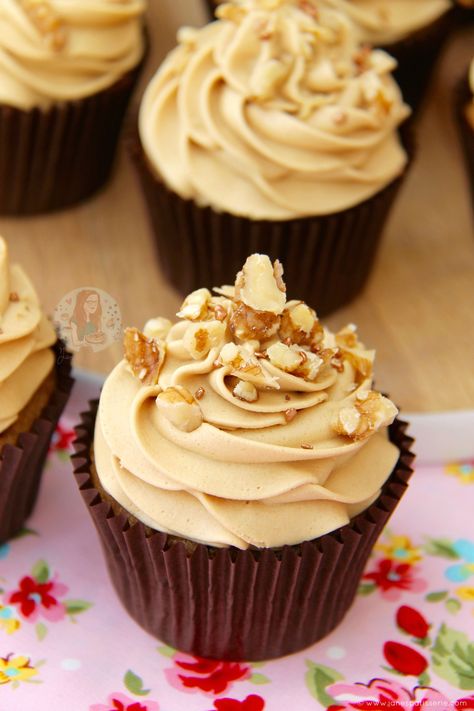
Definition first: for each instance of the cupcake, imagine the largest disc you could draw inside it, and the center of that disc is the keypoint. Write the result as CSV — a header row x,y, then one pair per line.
x,y
67,70
412,31
239,470
465,116
271,131
34,388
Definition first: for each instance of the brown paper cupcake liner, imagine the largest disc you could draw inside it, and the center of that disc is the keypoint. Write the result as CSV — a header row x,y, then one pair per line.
x,y
227,603
463,96
53,158
327,259
21,464
417,55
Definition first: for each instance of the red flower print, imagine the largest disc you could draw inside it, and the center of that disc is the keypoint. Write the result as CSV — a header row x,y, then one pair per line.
x,y
62,439
192,674
251,703
392,578
120,702
36,599
412,622
404,659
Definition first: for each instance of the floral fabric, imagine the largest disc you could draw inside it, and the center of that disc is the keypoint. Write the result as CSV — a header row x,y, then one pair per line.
x,y
407,642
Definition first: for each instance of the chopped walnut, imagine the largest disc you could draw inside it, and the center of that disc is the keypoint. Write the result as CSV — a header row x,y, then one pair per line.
x,y
260,285
243,364
347,337
157,327
295,360
195,306
199,338
300,325
144,355
370,411
179,407
246,324
245,391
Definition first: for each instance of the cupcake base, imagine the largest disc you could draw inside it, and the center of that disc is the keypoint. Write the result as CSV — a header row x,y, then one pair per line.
x,y
327,259
24,446
227,603
53,158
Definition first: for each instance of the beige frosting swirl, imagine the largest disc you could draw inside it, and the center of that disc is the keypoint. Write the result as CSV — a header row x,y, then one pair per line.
x,y
25,339
273,112
216,430
62,50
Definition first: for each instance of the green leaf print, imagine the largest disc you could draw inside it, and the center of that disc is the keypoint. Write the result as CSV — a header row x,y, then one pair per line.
x,y
41,631
259,679
41,572
166,651
436,596
441,547
318,678
135,684
453,605
74,607
452,657
366,588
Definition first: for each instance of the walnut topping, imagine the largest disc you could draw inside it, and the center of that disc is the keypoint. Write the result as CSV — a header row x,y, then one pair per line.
x,y
260,285
351,350
179,407
144,355
199,394
294,360
370,411
199,338
243,364
347,337
306,446
300,325
14,297
195,306
245,391
246,324
362,58
47,21
157,328
290,414
310,8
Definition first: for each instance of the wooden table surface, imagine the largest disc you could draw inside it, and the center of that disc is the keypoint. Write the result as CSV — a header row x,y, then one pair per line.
x,y
418,308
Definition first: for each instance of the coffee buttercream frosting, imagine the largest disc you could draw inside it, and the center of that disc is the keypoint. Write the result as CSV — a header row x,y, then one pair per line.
x,y
26,337
63,50
274,112
246,423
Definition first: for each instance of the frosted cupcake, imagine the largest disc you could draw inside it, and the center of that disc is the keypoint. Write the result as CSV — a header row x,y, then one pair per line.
x,y
67,70
271,130
240,471
34,389
413,31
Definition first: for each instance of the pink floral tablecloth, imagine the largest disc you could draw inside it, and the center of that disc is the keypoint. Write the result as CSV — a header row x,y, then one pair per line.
x,y
408,641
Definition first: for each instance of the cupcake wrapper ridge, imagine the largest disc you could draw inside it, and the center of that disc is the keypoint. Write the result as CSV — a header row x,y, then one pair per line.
x,y
227,603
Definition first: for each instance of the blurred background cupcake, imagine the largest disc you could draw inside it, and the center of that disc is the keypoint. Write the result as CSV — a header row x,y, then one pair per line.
x,y
412,31
241,471
67,70
272,131
34,388
465,117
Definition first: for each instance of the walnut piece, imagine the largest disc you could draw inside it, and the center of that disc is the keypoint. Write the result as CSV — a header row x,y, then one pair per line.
x,y
144,355
244,364
246,324
260,285
370,411
195,306
294,360
199,338
300,325
157,328
245,391
178,405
